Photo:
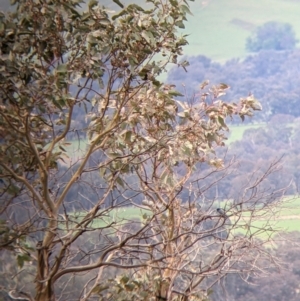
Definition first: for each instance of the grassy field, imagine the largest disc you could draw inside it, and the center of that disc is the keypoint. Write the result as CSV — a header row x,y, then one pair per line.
x,y
236,132
119,216
288,220
219,28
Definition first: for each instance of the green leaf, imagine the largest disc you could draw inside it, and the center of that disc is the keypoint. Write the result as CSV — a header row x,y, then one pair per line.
x,y
132,61
124,279
21,259
96,289
221,121
131,7
2,27
185,9
179,24
106,49
61,68
93,3
62,148
174,3
113,155
99,288
174,93
127,137
57,104
71,8
204,84
148,36
156,83
223,86
119,3
13,190
120,181
130,287
164,177
122,13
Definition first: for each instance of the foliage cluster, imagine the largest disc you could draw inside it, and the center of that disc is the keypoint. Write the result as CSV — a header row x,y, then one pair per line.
x,y
272,36
260,145
278,139
145,149
272,76
276,285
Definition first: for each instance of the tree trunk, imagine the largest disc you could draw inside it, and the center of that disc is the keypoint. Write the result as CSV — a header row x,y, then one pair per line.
x,y
45,294
44,291
44,285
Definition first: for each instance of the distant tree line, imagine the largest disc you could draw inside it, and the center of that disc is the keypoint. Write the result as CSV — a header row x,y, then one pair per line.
x,y
272,35
278,140
272,76
276,285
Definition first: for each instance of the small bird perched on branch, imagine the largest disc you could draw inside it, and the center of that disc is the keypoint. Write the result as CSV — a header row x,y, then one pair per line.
x,y
221,212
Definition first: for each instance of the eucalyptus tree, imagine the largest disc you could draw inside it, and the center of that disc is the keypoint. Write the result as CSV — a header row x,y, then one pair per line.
x,y
124,216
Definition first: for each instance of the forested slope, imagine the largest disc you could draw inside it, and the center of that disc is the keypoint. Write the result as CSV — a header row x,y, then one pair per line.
x,y
272,76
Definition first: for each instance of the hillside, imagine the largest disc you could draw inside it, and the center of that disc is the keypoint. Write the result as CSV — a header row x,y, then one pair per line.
x,y
219,28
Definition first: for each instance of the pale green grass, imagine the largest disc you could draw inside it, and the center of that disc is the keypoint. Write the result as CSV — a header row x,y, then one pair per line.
x,y
117,217
289,224
212,32
236,132
288,220
262,228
